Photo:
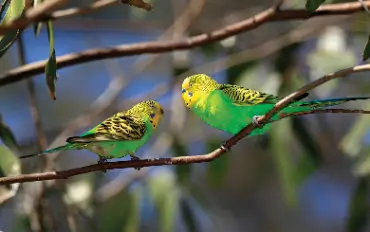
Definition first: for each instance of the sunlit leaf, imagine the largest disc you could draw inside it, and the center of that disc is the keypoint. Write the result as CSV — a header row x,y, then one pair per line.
x,y
51,66
37,26
165,196
217,169
358,210
9,166
7,136
183,171
280,149
138,4
312,5
188,215
13,11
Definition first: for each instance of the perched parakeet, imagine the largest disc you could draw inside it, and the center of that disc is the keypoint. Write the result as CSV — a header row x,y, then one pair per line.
x,y
230,107
119,135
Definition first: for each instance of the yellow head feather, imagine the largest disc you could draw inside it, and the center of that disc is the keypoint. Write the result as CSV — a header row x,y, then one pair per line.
x,y
196,86
150,109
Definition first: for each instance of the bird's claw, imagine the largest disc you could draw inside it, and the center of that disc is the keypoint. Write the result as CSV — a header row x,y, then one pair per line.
x,y
255,121
133,157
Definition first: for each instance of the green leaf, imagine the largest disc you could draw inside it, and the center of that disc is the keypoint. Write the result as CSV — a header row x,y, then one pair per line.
x,y
113,212
358,209
9,166
7,136
280,149
132,220
3,6
188,215
37,26
312,5
366,53
312,158
51,66
352,142
14,10
217,169
183,171
165,196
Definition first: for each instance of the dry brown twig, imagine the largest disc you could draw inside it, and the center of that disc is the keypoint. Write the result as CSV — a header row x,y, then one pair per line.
x,y
182,160
153,47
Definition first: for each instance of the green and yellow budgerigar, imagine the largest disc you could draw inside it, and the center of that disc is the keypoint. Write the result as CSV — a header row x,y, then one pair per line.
x,y
230,107
119,135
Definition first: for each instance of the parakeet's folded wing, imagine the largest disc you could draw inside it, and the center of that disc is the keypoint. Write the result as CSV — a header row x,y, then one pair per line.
x,y
119,127
243,96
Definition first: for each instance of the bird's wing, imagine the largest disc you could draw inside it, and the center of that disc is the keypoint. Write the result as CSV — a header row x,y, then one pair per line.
x,y
243,96
119,127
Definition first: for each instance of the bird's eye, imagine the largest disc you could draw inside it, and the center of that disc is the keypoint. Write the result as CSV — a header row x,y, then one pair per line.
x,y
152,115
190,94
152,106
183,90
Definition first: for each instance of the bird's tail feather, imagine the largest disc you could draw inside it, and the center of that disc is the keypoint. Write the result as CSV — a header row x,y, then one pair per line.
x,y
61,148
317,104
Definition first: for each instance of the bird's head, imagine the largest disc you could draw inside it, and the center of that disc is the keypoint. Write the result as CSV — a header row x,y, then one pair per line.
x,y
152,109
195,86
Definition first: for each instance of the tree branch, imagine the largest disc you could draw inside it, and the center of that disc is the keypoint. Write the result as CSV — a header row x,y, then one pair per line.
x,y
31,15
186,159
154,47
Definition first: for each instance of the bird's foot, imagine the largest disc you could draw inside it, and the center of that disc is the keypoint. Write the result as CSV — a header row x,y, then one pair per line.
x,y
133,157
101,161
255,121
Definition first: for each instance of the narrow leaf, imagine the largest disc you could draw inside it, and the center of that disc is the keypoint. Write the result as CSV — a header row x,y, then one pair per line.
x,y
51,66
37,26
183,171
3,6
9,166
312,5
7,136
138,4
132,220
14,10
358,209
217,169
188,215
366,53
280,150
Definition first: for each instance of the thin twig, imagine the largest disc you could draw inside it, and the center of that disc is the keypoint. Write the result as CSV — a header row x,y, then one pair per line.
x,y
83,10
31,15
154,47
182,160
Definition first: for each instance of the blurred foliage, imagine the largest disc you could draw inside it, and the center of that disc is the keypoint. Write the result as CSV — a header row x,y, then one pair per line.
x,y
7,136
359,207
51,65
217,169
13,9
9,166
